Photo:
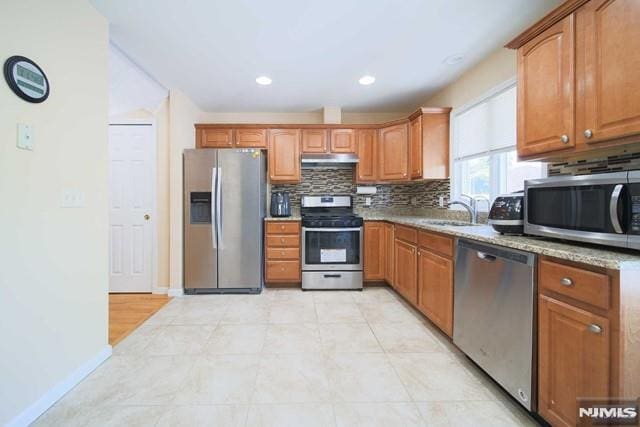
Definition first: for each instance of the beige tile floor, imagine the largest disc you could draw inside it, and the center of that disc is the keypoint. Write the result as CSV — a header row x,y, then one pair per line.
x,y
286,358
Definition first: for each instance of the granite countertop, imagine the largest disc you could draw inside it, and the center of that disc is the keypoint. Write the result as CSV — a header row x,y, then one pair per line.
x,y
293,217
586,254
435,220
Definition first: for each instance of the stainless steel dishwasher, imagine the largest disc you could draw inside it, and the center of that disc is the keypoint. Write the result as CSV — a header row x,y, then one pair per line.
x,y
494,314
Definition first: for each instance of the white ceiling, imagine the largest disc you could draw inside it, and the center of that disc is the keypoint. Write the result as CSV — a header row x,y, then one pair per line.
x,y
314,51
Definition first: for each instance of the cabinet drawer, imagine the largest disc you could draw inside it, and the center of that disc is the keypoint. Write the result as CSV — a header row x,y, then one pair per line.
x,y
283,253
407,234
583,285
282,271
436,243
283,227
283,241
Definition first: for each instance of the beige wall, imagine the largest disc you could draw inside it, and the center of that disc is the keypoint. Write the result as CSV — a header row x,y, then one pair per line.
x,y
53,269
496,68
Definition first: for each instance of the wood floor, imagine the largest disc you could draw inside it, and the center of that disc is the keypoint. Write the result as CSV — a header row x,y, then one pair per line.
x,y
128,311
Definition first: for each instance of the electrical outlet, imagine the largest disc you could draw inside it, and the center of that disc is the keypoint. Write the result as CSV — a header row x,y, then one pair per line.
x,y
441,201
367,201
414,201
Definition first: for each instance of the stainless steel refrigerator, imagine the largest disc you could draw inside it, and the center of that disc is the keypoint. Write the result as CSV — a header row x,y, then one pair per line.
x,y
224,208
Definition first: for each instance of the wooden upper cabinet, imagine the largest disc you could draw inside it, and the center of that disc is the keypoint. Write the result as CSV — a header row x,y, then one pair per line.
x,y
435,289
429,143
251,138
343,141
546,90
367,149
608,68
214,137
573,359
393,153
221,137
314,141
284,155
405,269
415,142
374,249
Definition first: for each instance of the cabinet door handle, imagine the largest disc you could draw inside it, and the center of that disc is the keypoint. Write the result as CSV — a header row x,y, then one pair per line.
x,y
564,139
596,329
588,133
565,281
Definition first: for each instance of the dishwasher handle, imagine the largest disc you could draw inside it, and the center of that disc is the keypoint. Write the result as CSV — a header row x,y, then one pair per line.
x,y
485,256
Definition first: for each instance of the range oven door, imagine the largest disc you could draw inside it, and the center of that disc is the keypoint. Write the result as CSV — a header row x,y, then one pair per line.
x,y
329,249
590,208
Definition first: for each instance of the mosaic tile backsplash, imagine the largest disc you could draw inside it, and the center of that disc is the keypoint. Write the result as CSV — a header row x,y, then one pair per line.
x,y
340,181
614,163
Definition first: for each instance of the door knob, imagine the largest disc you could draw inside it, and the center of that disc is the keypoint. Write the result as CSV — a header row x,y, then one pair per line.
x,y
588,133
147,217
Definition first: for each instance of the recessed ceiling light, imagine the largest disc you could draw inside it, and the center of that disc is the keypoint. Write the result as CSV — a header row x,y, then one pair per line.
x,y
263,80
366,80
453,59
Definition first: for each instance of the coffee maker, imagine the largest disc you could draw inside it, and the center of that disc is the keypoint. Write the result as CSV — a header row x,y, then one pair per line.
x,y
280,204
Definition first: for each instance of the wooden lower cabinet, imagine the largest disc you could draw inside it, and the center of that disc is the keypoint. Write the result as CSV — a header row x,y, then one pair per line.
x,y
435,289
389,241
574,359
374,250
282,252
405,269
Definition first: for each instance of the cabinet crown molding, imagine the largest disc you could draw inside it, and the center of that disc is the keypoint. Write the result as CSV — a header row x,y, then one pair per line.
x,y
552,18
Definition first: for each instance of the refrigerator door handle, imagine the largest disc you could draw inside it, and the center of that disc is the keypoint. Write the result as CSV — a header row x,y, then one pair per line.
x,y
214,176
219,207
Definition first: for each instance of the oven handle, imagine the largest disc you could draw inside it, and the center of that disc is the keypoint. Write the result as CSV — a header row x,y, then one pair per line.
x,y
613,208
331,230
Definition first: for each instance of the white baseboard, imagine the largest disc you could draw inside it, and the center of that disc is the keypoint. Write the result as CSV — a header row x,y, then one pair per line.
x,y
159,291
175,292
47,400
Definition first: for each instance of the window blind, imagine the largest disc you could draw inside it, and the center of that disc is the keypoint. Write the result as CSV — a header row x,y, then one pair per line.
x,y
487,126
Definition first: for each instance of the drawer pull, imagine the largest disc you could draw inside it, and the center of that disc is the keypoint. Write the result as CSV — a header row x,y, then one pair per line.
x,y
564,139
281,240
565,281
282,227
596,329
282,252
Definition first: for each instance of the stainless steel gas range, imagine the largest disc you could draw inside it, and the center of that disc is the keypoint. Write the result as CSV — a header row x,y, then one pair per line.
x,y
331,243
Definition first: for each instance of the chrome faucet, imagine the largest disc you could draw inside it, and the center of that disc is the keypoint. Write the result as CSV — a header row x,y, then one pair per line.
x,y
471,207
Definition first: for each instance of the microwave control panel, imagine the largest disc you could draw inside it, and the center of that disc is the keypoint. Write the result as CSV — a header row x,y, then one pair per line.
x,y
635,209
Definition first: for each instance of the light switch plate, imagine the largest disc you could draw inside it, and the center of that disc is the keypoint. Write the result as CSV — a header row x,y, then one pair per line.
x,y
25,137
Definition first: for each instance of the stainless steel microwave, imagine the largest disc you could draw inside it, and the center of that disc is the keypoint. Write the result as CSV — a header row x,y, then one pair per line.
x,y
602,209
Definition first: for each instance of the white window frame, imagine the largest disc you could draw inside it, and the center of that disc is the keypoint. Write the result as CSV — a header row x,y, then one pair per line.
x,y
455,166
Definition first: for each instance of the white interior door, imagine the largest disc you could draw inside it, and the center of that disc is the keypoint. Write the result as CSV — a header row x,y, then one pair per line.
x,y
131,187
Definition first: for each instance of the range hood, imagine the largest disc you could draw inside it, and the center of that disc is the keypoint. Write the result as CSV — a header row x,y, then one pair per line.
x,y
344,160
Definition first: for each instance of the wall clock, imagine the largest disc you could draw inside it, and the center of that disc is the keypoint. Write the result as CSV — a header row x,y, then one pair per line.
x,y
26,79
